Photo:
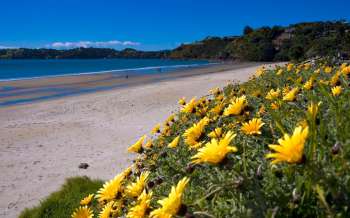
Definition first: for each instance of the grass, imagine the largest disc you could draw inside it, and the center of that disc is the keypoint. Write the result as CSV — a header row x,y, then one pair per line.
x,y
60,203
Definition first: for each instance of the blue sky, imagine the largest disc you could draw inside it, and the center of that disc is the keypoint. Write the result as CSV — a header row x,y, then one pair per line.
x,y
148,24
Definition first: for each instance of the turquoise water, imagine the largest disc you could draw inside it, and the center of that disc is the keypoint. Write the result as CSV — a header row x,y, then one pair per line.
x,y
24,69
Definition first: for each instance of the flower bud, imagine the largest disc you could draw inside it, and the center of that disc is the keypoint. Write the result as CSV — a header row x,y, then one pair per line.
x,y
336,147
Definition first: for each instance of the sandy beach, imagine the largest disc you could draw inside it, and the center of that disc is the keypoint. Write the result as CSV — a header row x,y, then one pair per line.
x,y
42,143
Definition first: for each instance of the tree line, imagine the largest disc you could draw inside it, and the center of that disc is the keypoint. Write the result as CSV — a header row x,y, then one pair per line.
x,y
294,42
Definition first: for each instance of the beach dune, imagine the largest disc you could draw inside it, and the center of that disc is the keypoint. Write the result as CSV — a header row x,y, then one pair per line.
x,y
42,143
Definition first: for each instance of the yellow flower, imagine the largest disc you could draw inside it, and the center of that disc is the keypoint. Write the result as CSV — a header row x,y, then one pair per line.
x,y
307,66
334,79
290,148
324,82
174,142
236,107
107,210
156,129
182,101
166,131
219,97
312,109
291,95
274,106
171,118
140,209
252,127
190,106
272,94
336,90
134,189
137,146
215,91
309,84
328,69
216,133
317,71
261,110
110,189
192,134
290,67
83,212
171,204
217,109
86,200
279,72
215,151
346,70
148,144
260,71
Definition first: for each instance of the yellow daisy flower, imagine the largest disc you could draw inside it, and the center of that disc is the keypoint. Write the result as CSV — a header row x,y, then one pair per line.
x,y
174,142
156,129
107,210
291,95
260,71
140,209
190,106
86,200
192,134
182,101
110,189
328,69
148,144
83,212
290,67
172,203
217,109
334,79
137,146
215,151
215,91
134,189
272,94
312,109
290,148
236,107
274,106
279,72
216,133
336,90
252,127
346,70
309,84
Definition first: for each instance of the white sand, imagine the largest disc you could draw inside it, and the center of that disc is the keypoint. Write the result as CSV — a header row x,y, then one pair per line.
x,y
42,144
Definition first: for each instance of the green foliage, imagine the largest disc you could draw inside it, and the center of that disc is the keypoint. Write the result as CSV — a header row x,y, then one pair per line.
x,y
60,204
295,42
246,184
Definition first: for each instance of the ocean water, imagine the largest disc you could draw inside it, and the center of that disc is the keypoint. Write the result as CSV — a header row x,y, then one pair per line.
x,y
118,71
26,69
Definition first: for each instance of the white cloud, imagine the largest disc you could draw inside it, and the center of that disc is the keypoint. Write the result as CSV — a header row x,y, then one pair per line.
x,y
6,47
86,44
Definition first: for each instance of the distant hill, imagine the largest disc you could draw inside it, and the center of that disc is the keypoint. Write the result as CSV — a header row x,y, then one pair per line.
x,y
295,42
79,53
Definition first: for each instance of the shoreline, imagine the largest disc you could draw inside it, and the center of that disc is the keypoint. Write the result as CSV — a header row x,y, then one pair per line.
x,y
19,92
42,143
107,71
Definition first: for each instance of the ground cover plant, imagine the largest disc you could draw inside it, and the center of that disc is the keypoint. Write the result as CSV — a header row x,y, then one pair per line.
x,y
275,146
